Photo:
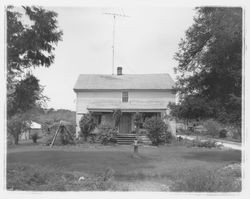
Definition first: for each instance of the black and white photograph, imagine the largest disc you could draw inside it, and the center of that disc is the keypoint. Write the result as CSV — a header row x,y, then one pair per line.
x,y
138,98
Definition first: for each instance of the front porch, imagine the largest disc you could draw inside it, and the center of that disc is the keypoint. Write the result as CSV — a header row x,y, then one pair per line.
x,y
126,124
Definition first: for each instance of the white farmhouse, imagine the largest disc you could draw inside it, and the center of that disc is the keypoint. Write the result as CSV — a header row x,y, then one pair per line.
x,y
131,93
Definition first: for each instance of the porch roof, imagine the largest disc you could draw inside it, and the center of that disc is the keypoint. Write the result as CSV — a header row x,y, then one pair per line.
x,y
128,107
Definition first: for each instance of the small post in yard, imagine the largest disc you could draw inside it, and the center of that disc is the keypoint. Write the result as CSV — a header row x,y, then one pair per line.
x,y
136,145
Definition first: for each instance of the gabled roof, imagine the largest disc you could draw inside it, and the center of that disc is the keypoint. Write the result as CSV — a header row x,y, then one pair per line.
x,y
124,82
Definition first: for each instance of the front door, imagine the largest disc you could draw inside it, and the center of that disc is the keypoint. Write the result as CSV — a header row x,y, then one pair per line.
x,y
125,123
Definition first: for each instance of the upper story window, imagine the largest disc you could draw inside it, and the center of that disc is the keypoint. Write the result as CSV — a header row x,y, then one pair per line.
x,y
124,96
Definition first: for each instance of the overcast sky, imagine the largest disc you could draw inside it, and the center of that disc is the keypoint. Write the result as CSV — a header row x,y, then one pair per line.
x,y
145,42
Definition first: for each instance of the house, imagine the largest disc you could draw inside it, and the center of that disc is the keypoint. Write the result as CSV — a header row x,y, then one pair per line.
x,y
131,93
33,128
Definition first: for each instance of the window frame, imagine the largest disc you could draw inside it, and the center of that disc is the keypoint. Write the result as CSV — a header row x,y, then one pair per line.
x,y
125,96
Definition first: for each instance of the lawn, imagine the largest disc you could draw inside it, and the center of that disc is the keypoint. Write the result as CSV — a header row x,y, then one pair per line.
x,y
152,168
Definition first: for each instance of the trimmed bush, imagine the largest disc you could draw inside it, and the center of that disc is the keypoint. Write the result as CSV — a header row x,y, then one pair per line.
x,y
157,130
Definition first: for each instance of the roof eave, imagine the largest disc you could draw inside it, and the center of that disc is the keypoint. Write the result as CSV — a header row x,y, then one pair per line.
x,y
103,90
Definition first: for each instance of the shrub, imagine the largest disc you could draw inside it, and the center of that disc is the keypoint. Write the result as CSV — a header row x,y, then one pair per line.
x,y
106,134
15,125
87,124
223,133
34,137
213,127
206,180
157,130
206,144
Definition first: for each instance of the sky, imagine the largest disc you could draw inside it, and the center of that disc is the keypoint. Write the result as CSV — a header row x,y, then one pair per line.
x,y
145,42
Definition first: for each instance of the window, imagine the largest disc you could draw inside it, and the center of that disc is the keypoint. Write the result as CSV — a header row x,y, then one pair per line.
x,y
124,96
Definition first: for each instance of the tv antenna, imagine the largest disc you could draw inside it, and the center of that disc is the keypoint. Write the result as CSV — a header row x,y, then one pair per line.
x,y
113,46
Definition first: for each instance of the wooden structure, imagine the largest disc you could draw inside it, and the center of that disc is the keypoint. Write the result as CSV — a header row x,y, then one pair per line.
x,y
61,128
101,94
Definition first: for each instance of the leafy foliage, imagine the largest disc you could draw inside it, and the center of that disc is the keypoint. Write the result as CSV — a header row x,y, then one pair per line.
x,y
30,43
15,125
87,124
223,133
190,108
157,130
210,62
213,127
206,144
117,114
201,179
106,134
26,96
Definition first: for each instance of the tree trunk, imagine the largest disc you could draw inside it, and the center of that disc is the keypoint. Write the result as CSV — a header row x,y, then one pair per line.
x,y
16,139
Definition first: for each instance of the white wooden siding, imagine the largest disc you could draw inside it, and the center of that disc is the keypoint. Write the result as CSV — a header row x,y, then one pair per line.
x,y
140,98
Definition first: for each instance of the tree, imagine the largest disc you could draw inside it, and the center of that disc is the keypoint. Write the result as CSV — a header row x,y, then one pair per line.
x,y
30,43
16,124
87,124
209,62
190,108
26,96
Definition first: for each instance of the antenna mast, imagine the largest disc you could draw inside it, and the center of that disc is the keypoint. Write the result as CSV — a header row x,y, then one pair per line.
x,y
113,46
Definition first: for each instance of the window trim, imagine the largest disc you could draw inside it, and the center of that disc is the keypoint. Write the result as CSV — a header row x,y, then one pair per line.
x,y
124,96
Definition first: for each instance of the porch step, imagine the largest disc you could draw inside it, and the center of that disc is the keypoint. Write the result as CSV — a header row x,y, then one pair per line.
x,y
128,139
125,139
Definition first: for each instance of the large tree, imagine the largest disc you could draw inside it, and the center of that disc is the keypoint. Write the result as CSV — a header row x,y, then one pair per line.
x,y
210,62
32,34
31,43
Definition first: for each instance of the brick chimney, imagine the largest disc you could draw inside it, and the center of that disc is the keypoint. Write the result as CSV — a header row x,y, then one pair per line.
x,y
119,70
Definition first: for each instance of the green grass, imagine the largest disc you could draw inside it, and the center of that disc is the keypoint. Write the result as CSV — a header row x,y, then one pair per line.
x,y
153,164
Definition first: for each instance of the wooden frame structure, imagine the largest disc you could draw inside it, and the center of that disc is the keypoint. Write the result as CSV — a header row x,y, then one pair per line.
x,y
61,128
